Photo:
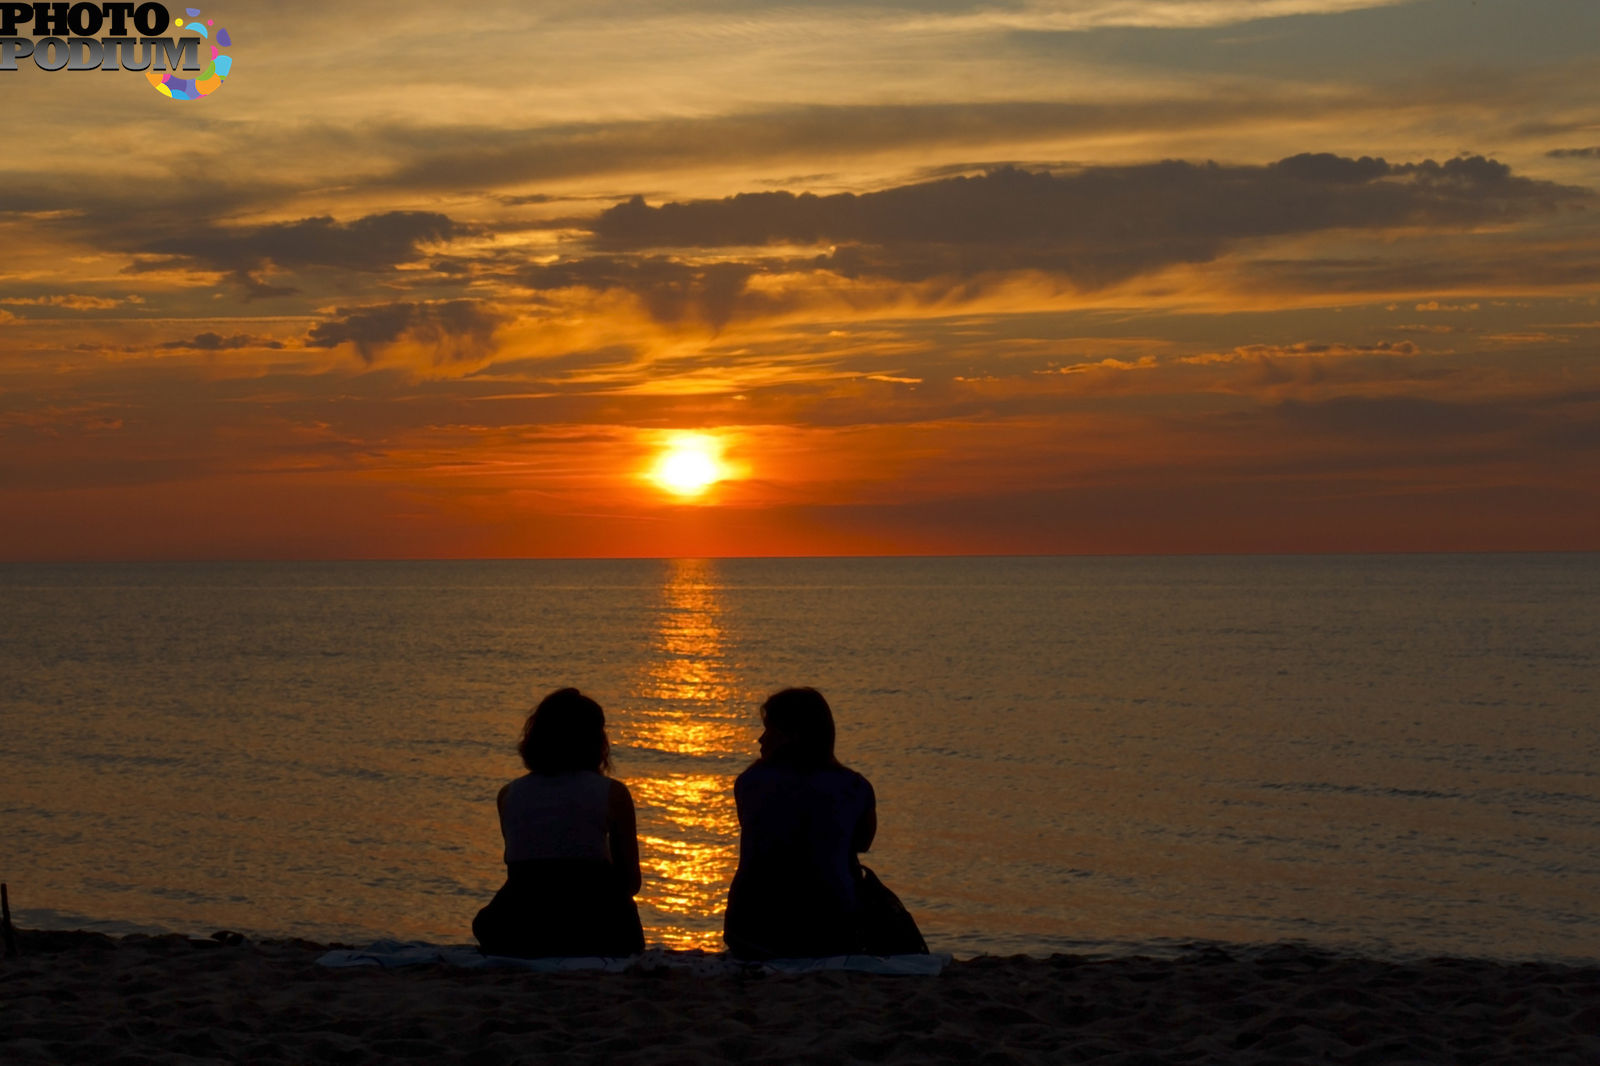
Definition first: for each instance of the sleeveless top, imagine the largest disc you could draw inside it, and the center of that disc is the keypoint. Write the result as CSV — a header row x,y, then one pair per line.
x,y
557,816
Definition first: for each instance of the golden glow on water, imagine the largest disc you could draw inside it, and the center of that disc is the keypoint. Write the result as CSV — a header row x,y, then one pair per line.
x,y
688,679
687,707
688,865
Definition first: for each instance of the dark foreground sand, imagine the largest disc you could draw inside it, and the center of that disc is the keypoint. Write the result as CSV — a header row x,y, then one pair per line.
x,y
83,997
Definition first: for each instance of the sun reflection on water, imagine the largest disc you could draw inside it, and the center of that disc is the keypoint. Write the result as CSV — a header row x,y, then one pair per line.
x,y
688,856
685,731
686,700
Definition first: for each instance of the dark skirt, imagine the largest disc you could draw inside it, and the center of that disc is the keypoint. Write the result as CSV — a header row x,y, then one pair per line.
x,y
560,907
786,918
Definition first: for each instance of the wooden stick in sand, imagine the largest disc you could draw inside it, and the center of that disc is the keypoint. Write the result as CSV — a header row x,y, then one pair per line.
x,y
6,929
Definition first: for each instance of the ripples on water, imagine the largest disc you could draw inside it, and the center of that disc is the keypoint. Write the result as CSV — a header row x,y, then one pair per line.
x,y
1392,754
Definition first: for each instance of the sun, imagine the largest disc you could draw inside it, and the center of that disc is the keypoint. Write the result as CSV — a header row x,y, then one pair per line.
x,y
689,464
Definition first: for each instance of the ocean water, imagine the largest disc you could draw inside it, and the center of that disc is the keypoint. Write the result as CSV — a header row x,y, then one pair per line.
x,y
1398,755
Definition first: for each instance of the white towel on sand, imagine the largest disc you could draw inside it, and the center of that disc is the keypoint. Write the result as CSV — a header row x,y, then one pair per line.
x,y
393,953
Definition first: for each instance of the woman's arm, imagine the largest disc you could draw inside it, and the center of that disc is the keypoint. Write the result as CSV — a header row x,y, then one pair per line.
x,y
867,825
623,829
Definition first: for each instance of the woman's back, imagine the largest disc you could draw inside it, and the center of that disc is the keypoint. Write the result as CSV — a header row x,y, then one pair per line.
x,y
795,889
802,823
556,816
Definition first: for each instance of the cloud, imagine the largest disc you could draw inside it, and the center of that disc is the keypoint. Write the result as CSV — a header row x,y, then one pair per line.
x,y
1098,207
1574,153
367,245
1468,265
1094,226
671,291
1090,228
72,301
1085,15
216,342
1144,362
465,156
1301,350
455,331
1536,336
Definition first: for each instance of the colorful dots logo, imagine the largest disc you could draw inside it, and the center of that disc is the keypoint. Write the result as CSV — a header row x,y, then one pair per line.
x,y
211,75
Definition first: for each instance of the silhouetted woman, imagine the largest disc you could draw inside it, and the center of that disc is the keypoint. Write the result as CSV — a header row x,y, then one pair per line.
x,y
572,852
802,820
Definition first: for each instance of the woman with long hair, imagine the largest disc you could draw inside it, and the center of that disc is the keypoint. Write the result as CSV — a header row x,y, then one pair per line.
x,y
572,848
803,819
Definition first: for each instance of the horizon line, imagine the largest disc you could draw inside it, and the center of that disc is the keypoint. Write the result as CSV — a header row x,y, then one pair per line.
x,y
239,560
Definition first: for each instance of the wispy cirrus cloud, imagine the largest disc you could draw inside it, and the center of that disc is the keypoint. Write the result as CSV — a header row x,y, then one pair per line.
x,y
493,156
72,301
1144,362
1084,15
1301,350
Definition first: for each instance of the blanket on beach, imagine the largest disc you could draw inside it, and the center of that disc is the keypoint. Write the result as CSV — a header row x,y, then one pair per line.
x,y
395,953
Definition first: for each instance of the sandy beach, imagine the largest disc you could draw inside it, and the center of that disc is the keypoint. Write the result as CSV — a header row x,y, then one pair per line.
x,y
86,997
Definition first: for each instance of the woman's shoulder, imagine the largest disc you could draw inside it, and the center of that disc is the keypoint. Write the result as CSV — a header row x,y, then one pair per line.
x,y
842,774
751,777
828,778
593,782
572,781
855,782
755,770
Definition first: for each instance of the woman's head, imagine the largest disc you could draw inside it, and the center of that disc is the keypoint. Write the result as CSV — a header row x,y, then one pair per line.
x,y
566,732
799,729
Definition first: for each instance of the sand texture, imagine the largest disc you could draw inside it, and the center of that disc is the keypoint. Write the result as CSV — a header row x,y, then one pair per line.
x,y
83,997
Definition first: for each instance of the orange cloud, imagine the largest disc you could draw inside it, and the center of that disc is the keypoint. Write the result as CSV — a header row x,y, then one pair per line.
x,y
1144,362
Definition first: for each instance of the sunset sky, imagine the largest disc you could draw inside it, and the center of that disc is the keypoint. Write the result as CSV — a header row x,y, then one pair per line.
x,y
1061,276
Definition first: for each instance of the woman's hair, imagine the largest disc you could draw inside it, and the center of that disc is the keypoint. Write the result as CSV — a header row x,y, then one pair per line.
x,y
806,721
566,732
